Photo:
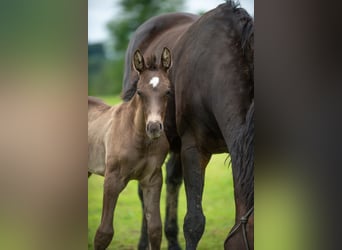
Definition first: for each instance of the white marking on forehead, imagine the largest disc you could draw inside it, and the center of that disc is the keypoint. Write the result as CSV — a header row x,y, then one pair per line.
x,y
154,81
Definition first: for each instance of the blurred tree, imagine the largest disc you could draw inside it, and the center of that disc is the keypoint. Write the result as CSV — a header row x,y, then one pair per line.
x,y
106,79
96,58
134,13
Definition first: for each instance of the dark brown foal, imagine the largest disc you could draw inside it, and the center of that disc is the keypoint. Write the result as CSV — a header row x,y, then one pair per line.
x,y
127,142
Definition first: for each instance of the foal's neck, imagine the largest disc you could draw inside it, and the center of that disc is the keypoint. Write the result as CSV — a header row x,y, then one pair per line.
x,y
138,117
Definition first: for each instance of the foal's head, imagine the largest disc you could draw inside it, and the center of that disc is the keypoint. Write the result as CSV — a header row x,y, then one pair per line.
x,y
153,90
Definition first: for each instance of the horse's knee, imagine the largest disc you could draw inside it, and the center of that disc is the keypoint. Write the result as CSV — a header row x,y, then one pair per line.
x,y
102,239
194,227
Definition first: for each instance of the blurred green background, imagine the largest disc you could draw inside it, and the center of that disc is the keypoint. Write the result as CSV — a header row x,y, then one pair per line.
x,y
106,59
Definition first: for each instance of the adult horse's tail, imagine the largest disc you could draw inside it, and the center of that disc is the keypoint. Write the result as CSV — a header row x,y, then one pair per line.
x,y
244,25
241,235
246,148
244,164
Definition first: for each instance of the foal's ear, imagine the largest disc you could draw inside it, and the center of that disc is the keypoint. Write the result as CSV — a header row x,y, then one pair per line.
x,y
166,59
138,61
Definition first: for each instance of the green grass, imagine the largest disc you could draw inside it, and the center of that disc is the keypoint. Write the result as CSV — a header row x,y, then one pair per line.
x,y
111,99
218,206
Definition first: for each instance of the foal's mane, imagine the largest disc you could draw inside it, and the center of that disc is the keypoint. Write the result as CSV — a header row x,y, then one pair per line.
x,y
243,149
150,64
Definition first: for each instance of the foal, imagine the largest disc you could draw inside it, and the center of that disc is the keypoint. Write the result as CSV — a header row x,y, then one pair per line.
x,y
127,142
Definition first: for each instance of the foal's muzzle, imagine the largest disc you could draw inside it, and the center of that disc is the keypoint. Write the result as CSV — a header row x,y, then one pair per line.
x,y
154,129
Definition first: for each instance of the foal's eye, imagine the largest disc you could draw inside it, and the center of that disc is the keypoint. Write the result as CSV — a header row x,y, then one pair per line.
x,y
138,92
168,93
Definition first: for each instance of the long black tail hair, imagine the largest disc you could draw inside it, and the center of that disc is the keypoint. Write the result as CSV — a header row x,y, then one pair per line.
x,y
244,159
244,25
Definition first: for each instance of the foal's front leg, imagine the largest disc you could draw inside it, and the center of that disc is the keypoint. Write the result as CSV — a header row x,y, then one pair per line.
x,y
113,185
173,183
151,188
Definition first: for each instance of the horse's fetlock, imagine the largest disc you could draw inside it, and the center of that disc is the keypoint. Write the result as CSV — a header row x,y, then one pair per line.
x,y
194,226
171,228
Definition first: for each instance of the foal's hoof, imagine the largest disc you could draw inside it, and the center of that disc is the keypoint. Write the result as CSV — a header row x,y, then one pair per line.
x,y
102,240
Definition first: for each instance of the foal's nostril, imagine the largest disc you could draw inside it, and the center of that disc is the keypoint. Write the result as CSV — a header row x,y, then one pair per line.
x,y
154,127
160,126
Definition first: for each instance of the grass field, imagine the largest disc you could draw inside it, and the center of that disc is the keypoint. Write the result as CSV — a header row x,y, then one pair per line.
x,y
218,206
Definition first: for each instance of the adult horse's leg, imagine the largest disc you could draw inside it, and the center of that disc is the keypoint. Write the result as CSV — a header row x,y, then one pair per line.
x,y
194,164
173,182
151,188
143,242
112,188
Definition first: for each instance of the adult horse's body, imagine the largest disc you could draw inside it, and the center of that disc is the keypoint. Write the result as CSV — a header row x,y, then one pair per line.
x,y
213,87
127,142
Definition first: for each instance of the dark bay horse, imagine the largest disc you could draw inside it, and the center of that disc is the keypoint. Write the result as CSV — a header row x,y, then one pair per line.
x,y
213,88
127,142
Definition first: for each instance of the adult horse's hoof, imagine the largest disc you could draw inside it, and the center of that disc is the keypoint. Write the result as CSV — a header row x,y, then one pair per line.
x,y
174,247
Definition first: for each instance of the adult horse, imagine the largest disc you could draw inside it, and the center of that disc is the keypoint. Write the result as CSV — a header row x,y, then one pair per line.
x,y
213,87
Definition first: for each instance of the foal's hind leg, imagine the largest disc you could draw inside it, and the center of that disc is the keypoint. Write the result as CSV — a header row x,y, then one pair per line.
x,y
112,188
173,183
151,187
